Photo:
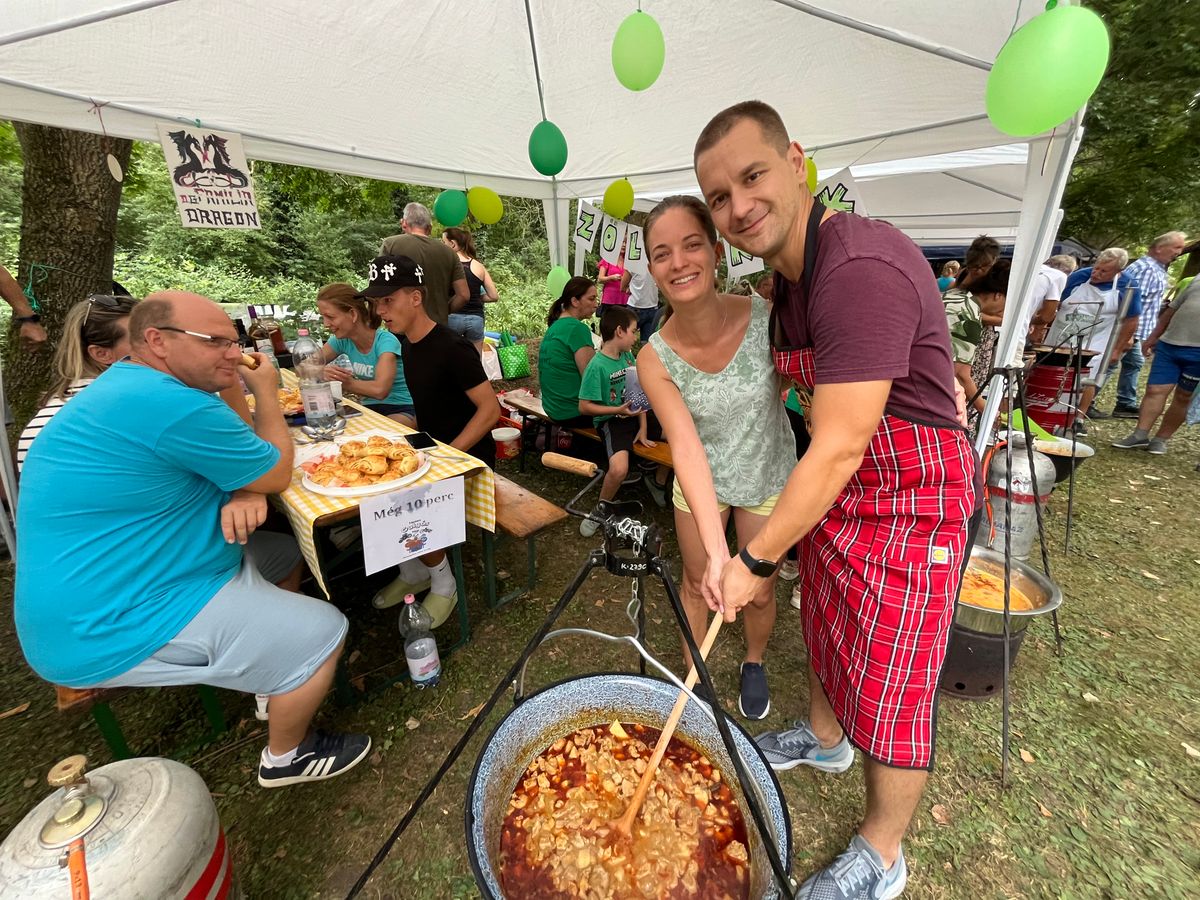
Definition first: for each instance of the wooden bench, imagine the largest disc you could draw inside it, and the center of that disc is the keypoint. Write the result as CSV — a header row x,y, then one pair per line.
x,y
73,700
533,410
520,514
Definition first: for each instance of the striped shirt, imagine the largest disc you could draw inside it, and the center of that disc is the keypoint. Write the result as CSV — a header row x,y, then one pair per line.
x,y
1151,278
44,415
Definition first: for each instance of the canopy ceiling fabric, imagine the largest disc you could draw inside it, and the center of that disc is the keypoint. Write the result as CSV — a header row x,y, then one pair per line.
x,y
444,93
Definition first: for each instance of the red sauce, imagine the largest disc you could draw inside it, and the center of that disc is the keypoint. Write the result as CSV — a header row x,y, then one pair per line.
x,y
689,840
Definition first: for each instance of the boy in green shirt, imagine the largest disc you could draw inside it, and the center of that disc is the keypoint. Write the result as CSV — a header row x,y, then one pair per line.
x,y
602,396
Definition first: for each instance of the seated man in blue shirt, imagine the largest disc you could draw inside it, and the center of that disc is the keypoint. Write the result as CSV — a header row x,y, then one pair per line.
x,y
136,558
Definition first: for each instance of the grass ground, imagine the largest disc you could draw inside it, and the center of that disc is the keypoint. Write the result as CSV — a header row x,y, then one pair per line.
x,y
1104,795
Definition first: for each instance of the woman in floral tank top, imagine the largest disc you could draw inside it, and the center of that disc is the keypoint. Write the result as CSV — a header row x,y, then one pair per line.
x,y
710,380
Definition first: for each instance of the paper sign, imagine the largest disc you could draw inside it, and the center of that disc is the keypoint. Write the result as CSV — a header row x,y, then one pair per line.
x,y
635,251
210,176
739,264
587,223
841,192
612,235
411,522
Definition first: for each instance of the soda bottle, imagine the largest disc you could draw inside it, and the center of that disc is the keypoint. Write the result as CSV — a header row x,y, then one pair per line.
x,y
315,393
420,648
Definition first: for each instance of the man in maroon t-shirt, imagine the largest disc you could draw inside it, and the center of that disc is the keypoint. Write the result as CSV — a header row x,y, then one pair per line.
x,y
880,502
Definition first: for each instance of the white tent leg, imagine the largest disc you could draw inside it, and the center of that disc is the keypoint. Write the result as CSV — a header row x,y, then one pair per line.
x,y
557,212
8,478
1046,174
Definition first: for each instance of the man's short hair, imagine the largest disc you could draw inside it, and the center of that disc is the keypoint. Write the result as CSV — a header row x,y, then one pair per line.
x,y
416,215
1064,262
149,314
1169,238
1119,255
767,119
615,317
984,251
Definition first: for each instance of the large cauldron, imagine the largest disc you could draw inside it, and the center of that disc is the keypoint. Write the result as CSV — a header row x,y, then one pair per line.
x,y
1042,592
558,710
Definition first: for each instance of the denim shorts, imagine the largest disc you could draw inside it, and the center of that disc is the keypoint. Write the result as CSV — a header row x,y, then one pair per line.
x,y
251,636
1176,365
391,409
466,325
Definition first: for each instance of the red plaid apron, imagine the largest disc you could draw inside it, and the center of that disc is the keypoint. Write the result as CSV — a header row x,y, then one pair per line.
x,y
879,574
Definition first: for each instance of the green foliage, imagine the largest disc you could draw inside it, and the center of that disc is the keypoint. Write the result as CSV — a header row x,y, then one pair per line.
x,y
1137,174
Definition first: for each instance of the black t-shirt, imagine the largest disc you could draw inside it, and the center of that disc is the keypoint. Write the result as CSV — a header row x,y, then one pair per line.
x,y
440,369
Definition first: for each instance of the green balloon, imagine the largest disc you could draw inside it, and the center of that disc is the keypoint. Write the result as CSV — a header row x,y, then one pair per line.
x,y
1047,70
450,208
638,51
557,280
618,198
485,205
547,148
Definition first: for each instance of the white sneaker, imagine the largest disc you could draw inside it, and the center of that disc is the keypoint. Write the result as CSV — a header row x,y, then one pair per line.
x,y
796,601
588,528
790,570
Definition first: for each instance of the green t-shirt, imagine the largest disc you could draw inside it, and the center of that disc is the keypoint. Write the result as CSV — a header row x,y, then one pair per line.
x,y
557,372
604,381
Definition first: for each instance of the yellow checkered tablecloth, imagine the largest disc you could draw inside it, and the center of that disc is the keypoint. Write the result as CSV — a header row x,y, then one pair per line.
x,y
306,510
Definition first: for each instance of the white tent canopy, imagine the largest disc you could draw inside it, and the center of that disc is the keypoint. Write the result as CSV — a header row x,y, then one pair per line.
x,y
445,93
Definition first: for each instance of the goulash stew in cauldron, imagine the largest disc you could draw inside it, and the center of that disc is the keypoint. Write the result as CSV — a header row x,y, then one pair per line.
x,y
689,840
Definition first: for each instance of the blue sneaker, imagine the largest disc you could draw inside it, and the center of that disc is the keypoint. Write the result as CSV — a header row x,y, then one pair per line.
x,y
798,746
857,874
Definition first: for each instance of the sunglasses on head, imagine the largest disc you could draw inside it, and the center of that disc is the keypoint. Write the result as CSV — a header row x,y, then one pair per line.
x,y
108,301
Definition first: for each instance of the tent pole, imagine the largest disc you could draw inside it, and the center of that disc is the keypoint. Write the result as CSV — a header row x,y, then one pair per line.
x,y
79,21
1035,234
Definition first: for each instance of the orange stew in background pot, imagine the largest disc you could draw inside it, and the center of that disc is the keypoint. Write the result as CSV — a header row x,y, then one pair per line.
x,y
689,840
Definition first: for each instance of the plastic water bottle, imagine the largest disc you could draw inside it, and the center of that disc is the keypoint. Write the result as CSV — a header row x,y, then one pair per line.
x,y
343,362
420,648
315,393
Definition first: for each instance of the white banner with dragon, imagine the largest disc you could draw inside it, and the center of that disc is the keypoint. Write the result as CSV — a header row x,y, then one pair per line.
x,y
210,176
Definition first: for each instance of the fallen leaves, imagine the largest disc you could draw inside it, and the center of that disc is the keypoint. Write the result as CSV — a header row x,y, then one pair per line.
x,y
412,724
1043,810
1151,575
1026,756
15,711
1115,500
1190,750
472,712
1090,697
941,815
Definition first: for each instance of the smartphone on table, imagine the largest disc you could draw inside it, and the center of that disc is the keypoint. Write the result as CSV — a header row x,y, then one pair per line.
x,y
420,440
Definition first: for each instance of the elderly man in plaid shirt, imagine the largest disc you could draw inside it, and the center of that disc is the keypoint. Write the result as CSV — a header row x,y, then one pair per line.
x,y
1149,272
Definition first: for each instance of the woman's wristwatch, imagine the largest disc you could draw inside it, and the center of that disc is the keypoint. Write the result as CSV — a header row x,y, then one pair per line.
x,y
763,568
31,318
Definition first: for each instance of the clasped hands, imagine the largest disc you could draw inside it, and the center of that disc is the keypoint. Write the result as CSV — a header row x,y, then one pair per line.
x,y
728,585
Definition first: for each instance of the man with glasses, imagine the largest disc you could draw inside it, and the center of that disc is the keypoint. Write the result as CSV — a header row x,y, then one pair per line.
x,y
136,525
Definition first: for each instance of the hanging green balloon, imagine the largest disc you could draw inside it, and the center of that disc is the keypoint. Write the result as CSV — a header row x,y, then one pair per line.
x,y
1047,70
638,51
485,205
557,280
810,173
618,198
547,148
450,208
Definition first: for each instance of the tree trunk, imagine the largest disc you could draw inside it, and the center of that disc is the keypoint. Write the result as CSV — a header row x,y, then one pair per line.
x,y
69,204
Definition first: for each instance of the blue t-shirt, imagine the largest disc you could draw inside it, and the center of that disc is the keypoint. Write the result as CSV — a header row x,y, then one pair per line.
x,y
363,365
1080,276
118,522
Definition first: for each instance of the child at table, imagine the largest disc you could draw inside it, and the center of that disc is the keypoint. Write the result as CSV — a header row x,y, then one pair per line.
x,y
602,396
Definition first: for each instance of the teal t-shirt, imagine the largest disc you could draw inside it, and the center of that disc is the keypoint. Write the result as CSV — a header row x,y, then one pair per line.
x,y
118,522
557,373
604,381
363,365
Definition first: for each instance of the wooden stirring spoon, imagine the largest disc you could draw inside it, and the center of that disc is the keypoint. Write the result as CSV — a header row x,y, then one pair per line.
x,y
623,827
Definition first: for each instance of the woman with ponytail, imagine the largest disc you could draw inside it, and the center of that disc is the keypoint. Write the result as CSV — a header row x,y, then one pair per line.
x,y
95,335
566,351
375,372
467,320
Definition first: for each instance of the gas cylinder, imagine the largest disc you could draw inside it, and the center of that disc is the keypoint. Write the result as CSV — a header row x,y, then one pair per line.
x,y
1023,530
137,829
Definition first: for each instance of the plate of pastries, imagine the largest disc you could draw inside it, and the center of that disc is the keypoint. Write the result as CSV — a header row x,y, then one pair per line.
x,y
364,464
